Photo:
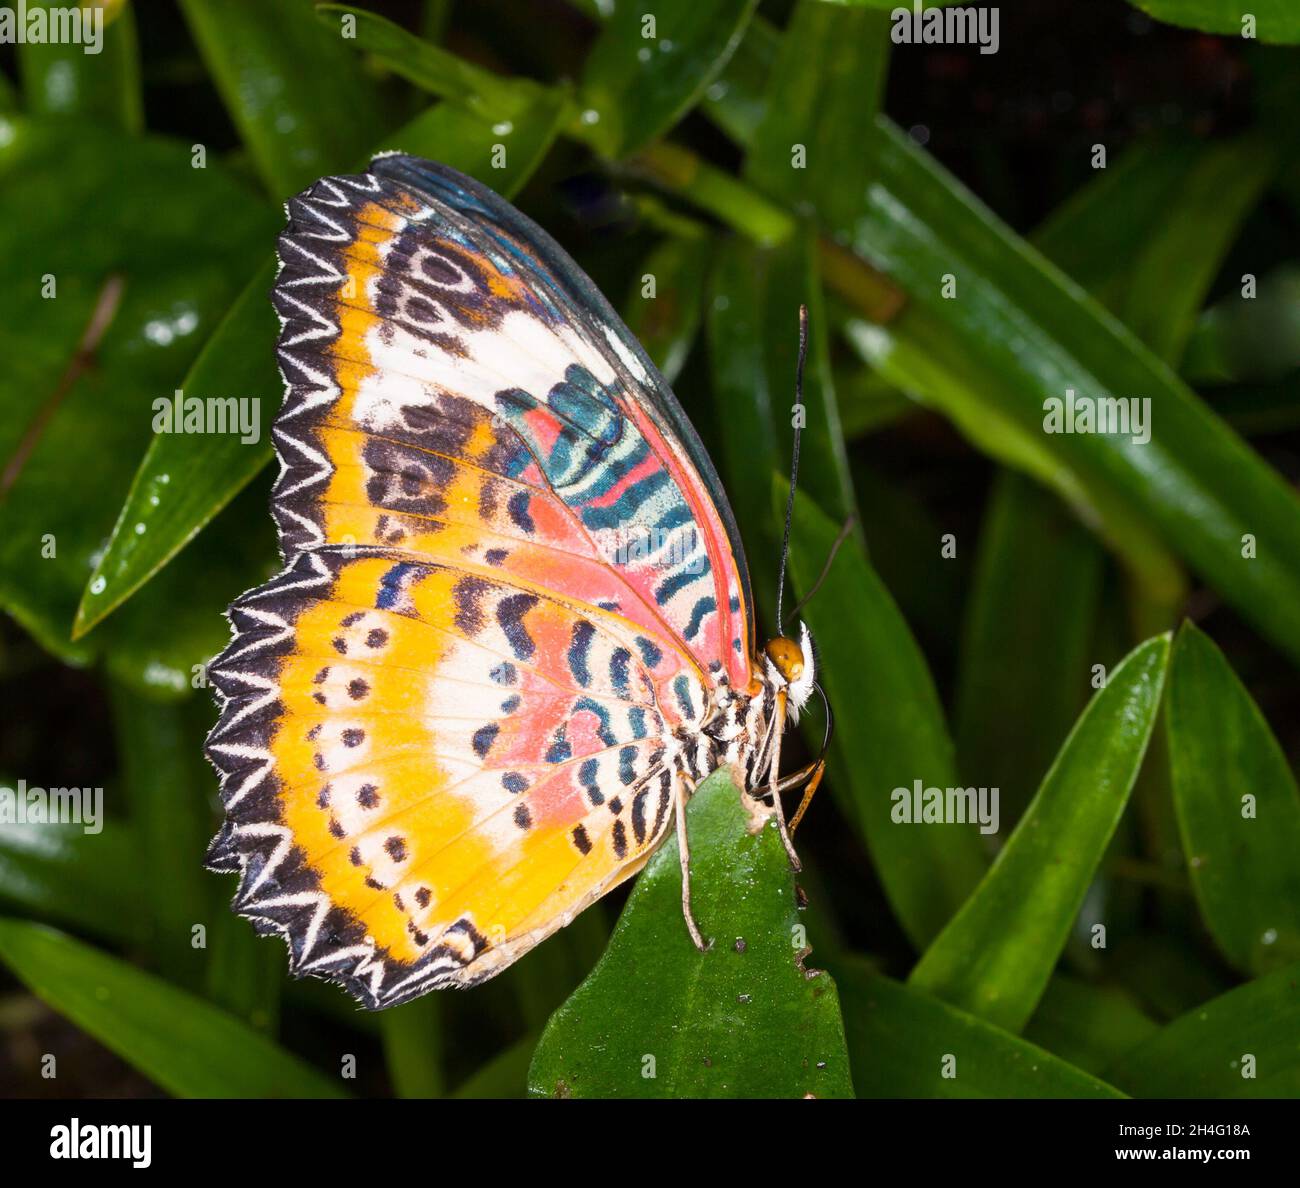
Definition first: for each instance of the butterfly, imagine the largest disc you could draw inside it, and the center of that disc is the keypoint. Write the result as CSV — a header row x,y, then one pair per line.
x,y
514,628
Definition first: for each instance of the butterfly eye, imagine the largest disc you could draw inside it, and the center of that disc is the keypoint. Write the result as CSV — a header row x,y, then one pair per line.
x,y
787,656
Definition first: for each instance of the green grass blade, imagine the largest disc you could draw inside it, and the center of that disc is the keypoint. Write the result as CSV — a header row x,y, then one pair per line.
x,y
295,90
62,79
1274,21
666,322
652,62
1245,1043
742,1020
178,1041
1026,640
907,1044
889,728
991,370
413,1044
807,150
1090,1026
995,957
1238,808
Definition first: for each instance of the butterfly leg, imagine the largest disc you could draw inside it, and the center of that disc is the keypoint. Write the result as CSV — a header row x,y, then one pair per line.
x,y
680,792
774,783
812,774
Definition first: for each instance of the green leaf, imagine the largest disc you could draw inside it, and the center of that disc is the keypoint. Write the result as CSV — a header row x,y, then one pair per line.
x,y
413,1043
160,516
84,880
667,322
1276,21
907,1044
1203,1053
995,957
754,348
745,1019
1090,1026
294,89
167,786
1026,641
1148,236
178,1041
61,79
820,111
502,1078
185,479
246,972
890,730
652,62
1019,333
1249,338
490,96
1244,858
136,289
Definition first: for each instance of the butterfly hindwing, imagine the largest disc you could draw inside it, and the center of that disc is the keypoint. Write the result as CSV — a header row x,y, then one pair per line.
x,y
413,754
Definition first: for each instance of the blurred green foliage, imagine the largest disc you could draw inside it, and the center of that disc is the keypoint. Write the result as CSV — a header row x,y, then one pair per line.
x,y
1134,924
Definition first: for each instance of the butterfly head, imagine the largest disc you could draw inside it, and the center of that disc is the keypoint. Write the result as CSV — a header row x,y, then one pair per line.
x,y
792,665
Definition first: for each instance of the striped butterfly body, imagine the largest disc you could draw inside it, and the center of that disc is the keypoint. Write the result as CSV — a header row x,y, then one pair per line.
x,y
514,627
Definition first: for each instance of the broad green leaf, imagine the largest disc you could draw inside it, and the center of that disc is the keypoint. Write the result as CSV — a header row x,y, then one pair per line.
x,y
1017,334
295,90
1275,21
998,952
807,150
889,732
65,874
138,288
906,1044
61,79
652,62
178,1041
666,322
1026,640
745,1019
1090,1026
1245,1043
1238,808
160,516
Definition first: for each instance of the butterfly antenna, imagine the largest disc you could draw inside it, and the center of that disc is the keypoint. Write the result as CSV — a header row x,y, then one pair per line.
x,y
794,462
845,529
